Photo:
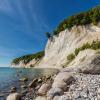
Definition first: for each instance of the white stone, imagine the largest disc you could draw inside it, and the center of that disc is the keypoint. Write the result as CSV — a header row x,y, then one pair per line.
x,y
40,98
58,48
62,80
14,96
43,89
54,92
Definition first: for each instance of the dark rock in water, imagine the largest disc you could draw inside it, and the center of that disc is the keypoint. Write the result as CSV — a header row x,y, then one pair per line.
x,y
24,92
2,94
23,79
14,96
23,86
33,83
48,77
13,89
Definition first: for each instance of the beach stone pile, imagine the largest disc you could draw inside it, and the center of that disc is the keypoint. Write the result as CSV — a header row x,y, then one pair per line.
x,y
73,86
86,87
65,86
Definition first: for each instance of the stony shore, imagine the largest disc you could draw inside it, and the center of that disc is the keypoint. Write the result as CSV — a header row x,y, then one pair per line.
x,y
63,86
29,91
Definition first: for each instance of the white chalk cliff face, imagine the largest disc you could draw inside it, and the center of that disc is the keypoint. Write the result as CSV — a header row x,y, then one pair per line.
x,y
59,47
32,63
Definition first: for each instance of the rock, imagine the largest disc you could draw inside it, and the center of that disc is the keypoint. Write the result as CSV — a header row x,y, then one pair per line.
x,y
13,89
23,86
2,94
44,88
23,79
40,98
40,80
48,77
98,93
56,98
14,96
54,92
24,92
92,66
37,87
62,80
64,97
33,83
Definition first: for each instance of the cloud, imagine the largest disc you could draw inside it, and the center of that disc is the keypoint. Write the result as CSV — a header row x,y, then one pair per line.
x,y
33,24
5,6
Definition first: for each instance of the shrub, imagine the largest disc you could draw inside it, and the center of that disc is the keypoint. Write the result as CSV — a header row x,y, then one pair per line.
x,y
95,45
27,58
48,35
70,57
77,50
85,46
91,16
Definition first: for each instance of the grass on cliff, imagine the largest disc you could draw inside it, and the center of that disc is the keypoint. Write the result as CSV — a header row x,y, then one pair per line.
x,y
27,58
84,18
95,45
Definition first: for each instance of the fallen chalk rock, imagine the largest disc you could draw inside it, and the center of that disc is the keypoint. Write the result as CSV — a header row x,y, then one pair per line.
x,y
40,98
62,80
33,83
54,92
14,96
23,79
44,89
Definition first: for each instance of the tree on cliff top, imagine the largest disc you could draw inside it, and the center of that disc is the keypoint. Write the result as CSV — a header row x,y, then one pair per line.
x,y
48,35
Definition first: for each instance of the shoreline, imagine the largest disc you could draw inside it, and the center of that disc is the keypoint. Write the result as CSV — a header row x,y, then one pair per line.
x,y
22,85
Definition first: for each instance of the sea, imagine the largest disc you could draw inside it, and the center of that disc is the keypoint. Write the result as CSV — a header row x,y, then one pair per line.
x,y
10,76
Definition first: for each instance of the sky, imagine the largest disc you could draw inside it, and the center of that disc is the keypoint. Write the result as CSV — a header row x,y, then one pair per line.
x,y
23,24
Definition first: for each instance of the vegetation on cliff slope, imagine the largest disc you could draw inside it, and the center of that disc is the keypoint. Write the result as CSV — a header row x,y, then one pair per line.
x,y
84,18
95,45
27,58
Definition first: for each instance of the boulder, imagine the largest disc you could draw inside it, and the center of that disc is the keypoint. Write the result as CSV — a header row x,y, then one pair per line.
x,y
62,80
33,83
40,98
13,89
54,92
40,80
87,62
23,79
23,86
98,93
44,88
14,96
24,92
64,97
93,66
2,94
56,98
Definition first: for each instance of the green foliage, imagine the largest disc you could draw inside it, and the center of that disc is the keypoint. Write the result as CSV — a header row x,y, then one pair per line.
x,y
77,50
27,58
91,16
85,46
48,35
70,57
95,45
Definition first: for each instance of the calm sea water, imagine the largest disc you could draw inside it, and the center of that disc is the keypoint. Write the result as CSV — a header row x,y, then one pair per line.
x,y
10,76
